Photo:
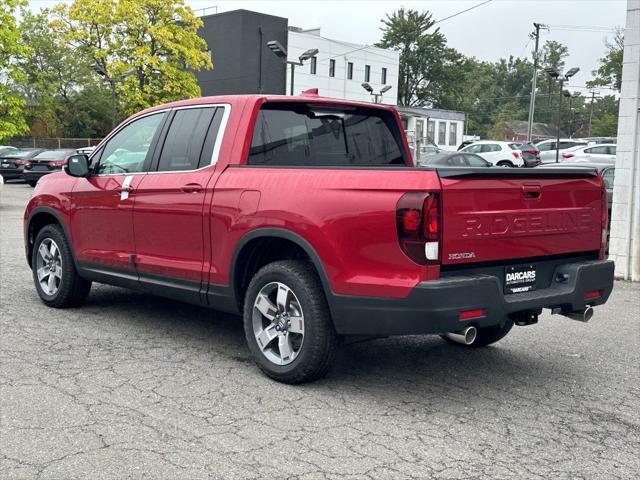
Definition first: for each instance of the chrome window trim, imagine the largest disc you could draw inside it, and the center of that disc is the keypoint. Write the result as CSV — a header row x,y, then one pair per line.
x,y
216,148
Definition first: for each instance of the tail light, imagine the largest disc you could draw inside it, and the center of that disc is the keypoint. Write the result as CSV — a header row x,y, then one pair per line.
x,y
57,163
604,221
534,152
568,155
23,163
418,226
516,155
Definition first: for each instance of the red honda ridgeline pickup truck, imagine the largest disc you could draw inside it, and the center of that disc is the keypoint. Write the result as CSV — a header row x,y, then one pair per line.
x,y
307,215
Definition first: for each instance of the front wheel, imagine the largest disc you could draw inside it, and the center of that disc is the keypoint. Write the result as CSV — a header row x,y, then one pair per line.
x,y
54,273
287,323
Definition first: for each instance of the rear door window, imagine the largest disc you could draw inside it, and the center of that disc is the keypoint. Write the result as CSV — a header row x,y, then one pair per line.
x,y
184,143
598,150
612,149
297,134
476,161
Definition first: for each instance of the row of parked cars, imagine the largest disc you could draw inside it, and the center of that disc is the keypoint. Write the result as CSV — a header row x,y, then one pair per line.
x,y
29,164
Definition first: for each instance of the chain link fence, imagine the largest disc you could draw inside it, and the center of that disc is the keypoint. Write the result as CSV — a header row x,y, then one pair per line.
x,y
53,142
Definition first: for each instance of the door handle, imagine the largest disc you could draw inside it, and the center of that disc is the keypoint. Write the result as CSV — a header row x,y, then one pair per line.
x,y
191,188
126,187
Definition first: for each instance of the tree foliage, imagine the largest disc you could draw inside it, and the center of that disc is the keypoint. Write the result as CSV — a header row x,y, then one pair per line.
x,y
12,104
609,71
426,73
146,49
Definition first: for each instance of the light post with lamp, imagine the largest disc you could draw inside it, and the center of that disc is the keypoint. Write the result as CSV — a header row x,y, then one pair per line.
x,y
278,50
100,70
376,96
560,78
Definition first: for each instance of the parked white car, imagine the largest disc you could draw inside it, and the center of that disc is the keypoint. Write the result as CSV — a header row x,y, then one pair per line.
x,y
548,148
501,154
604,153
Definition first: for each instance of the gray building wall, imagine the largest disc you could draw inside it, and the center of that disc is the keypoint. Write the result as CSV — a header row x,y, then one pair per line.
x,y
624,246
242,63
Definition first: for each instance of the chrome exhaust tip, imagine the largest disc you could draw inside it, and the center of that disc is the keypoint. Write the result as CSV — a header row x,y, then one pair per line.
x,y
581,316
466,336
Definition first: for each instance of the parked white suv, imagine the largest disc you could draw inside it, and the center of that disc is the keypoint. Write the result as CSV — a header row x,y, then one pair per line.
x,y
548,148
501,154
592,153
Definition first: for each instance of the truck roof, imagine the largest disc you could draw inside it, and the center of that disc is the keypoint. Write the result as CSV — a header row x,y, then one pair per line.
x,y
306,96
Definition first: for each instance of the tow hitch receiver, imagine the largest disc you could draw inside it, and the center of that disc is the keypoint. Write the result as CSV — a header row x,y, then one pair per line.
x,y
527,317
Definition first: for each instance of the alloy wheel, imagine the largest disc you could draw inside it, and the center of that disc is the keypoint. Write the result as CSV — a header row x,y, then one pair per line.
x,y
49,266
278,323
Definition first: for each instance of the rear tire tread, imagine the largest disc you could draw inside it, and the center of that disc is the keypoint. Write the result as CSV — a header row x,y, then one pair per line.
x,y
321,342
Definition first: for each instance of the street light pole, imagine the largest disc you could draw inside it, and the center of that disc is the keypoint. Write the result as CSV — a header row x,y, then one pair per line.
x,y
561,82
560,78
376,96
279,51
101,70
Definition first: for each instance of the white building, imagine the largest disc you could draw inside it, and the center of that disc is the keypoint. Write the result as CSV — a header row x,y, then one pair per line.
x,y
625,217
339,68
445,128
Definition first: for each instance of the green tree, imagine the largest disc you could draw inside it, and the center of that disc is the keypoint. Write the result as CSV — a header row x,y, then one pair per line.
x,y
609,71
147,50
424,56
507,112
553,55
12,105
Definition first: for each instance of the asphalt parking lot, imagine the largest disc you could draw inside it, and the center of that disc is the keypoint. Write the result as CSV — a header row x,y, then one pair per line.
x,y
133,386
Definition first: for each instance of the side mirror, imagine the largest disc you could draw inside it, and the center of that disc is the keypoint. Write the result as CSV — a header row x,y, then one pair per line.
x,y
77,165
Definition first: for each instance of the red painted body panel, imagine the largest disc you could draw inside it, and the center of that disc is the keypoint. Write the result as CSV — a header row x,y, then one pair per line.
x,y
101,223
498,219
348,216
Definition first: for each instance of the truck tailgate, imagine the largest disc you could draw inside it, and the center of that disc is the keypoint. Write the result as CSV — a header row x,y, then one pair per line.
x,y
502,214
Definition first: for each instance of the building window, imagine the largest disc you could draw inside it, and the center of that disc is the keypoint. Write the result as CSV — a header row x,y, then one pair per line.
x,y
383,77
431,130
453,133
442,133
350,71
332,68
313,65
367,73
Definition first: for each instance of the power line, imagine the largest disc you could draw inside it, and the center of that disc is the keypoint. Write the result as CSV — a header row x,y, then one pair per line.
x,y
463,11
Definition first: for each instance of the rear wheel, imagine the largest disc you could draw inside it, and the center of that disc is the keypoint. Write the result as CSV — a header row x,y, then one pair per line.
x,y
54,272
287,323
32,183
505,163
488,335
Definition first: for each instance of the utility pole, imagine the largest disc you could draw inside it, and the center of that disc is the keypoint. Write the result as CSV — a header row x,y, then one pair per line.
x,y
593,97
532,103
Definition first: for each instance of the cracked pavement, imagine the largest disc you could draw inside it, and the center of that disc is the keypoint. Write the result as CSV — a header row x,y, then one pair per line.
x,y
135,386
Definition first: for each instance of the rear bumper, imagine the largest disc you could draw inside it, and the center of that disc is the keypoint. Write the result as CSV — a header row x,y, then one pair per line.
x,y
435,306
35,175
10,173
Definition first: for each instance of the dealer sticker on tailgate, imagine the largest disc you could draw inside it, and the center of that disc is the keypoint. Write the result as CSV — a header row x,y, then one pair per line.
x,y
521,278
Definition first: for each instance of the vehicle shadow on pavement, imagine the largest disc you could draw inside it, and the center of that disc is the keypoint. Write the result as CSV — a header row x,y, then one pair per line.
x,y
386,367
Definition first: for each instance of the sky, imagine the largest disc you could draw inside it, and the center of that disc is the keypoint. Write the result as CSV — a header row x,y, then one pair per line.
x,y
491,31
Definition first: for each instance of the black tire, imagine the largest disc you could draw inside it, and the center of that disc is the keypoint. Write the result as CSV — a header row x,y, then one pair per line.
x,y
320,341
32,183
505,163
487,335
72,289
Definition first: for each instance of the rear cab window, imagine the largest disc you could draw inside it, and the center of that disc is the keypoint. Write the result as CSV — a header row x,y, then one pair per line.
x,y
299,134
